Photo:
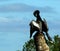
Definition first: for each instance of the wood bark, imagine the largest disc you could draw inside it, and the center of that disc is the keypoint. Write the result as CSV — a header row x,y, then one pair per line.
x,y
40,42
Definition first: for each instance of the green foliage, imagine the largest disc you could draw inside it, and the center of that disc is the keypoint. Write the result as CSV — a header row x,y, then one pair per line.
x,y
18,50
29,46
56,43
55,46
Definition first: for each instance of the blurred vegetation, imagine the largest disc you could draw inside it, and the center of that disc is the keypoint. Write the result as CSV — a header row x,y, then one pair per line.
x,y
55,46
29,46
18,50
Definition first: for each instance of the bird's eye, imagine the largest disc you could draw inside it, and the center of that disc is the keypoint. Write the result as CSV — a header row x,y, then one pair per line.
x,y
36,14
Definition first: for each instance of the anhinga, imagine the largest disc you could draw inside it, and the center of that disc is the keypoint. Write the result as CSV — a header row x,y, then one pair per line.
x,y
39,25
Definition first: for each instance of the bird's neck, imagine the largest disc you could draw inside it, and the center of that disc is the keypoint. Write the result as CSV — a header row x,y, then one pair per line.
x,y
39,18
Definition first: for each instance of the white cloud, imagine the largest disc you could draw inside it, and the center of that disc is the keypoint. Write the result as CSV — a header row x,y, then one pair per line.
x,y
18,7
4,19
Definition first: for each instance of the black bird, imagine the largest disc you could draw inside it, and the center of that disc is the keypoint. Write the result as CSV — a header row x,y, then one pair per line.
x,y
38,25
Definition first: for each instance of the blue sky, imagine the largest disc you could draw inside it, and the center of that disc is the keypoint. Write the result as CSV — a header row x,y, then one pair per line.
x,y
15,16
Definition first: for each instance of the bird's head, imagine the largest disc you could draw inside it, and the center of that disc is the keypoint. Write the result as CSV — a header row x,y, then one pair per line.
x,y
36,13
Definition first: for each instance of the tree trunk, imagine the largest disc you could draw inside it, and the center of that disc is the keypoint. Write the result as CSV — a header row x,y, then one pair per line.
x,y
40,42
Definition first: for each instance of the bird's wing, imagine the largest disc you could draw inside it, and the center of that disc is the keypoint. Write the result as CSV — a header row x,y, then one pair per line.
x,y
31,29
45,22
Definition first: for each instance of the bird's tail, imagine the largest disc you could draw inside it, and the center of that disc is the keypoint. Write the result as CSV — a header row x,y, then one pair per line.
x,y
49,38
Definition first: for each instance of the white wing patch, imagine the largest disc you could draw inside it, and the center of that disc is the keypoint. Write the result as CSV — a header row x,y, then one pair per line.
x,y
35,24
